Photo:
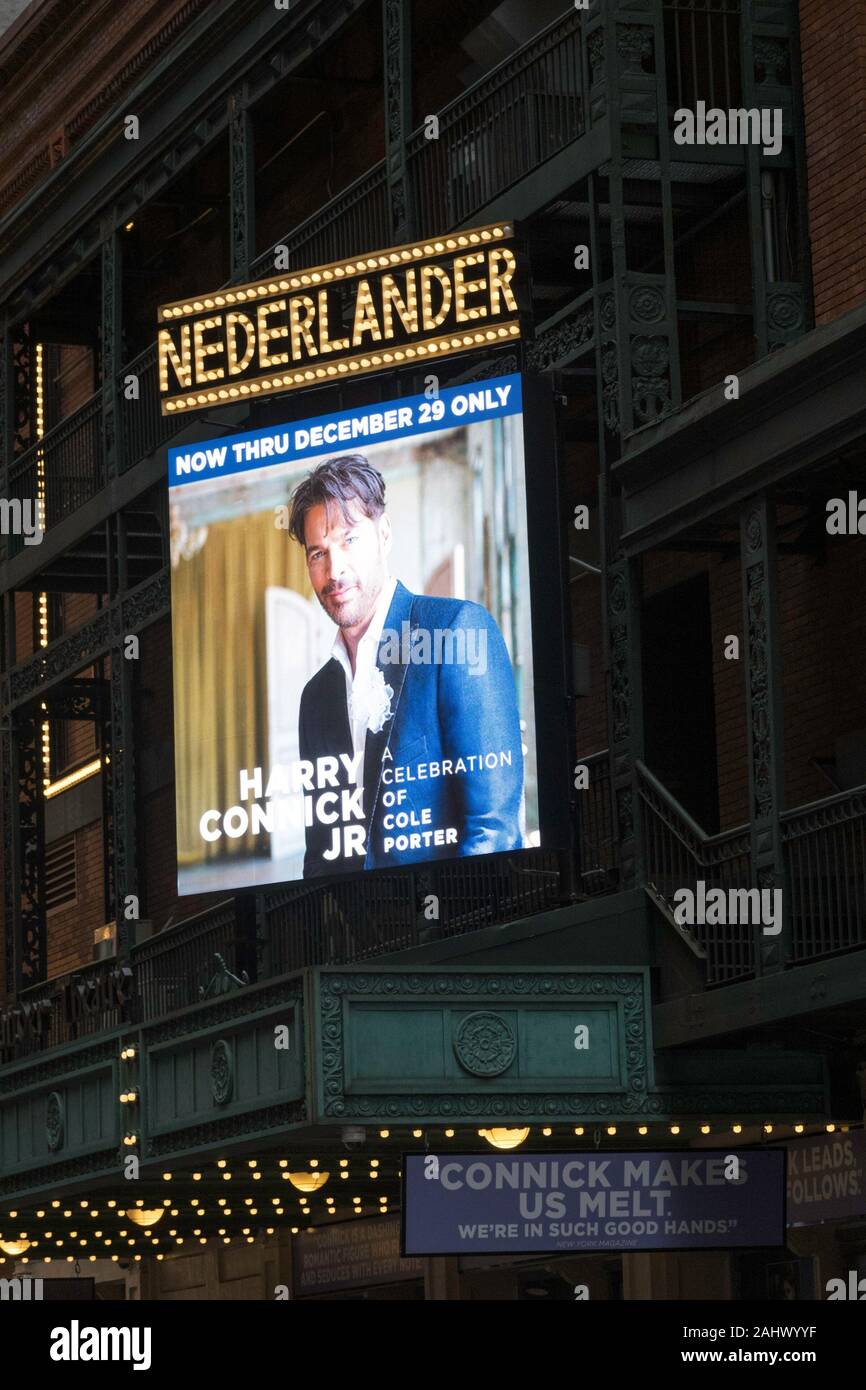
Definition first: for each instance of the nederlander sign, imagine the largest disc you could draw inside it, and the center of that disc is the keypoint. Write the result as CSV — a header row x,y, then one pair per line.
x,y
369,313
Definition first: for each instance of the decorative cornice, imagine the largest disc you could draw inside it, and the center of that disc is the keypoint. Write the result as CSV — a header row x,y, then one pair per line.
x,y
64,1065
242,1003
231,1127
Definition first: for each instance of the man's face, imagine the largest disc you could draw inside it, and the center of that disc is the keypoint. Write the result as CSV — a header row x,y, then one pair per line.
x,y
347,560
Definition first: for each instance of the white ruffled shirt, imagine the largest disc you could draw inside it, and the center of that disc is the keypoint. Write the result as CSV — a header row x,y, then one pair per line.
x,y
368,698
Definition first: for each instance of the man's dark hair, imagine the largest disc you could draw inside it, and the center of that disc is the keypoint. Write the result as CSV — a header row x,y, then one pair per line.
x,y
338,481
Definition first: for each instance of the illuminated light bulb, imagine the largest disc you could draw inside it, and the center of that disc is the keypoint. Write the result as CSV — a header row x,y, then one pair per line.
x,y
675,1129
147,1216
642,1129
307,1182
768,1129
736,1129
417,1133
504,1138
798,1129
611,1130
831,1129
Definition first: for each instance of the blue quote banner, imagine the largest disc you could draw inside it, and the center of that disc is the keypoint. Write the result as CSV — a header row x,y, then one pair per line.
x,y
459,1204
322,434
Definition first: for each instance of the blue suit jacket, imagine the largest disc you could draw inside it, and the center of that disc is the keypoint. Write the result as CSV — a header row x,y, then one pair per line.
x,y
440,713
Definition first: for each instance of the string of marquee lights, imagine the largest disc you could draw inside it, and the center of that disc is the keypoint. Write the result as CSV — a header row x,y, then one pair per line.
x,y
89,769
241,1200
361,362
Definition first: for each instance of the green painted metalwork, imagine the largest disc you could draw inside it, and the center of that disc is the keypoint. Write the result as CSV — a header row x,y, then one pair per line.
x,y
478,1043
764,715
215,1073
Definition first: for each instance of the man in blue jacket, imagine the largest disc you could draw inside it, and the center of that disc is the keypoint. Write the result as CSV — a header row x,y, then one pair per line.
x,y
412,726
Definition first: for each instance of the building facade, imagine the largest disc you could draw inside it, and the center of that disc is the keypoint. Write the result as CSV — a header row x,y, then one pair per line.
x,y
695,326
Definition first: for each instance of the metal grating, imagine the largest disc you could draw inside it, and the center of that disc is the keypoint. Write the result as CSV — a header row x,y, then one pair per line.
x,y
61,881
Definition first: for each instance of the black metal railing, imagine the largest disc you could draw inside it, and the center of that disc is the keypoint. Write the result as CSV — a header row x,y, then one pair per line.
x,y
177,967
366,917
356,220
679,854
62,471
825,857
526,110
145,428
91,1000
599,852
702,53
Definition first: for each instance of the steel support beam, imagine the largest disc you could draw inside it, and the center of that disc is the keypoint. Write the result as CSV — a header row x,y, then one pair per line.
x,y
397,31
242,193
112,353
764,717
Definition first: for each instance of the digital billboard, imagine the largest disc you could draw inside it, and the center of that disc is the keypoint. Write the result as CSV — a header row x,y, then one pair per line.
x,y
464,1204
352,641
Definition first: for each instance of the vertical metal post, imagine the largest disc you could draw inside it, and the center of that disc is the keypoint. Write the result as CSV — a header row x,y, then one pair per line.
x,y
7,414
28,829
764,717
112,439
769,51
242,193
119,783
396,25
664,140
11,867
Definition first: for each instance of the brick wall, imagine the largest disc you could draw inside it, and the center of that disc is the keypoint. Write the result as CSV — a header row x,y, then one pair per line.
x,y
833,43
663,569
823,636
67,64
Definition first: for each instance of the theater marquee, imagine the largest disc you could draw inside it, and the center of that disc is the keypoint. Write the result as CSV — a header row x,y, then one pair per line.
x,y
368,313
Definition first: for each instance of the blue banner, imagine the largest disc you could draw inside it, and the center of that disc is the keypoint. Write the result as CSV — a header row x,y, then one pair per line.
x,y
461,1204
826,1178
369,424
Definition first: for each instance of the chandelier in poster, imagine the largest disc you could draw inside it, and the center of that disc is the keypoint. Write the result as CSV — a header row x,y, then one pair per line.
x,y
352,641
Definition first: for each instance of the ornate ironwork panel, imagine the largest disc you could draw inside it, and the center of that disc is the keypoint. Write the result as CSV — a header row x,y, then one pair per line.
x,y
764,711
243,202
111,353
29,836
398,114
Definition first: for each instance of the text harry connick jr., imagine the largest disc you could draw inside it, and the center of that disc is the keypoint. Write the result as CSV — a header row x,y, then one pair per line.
x,y
306,792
